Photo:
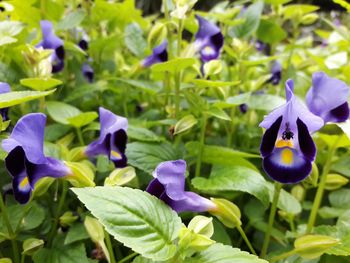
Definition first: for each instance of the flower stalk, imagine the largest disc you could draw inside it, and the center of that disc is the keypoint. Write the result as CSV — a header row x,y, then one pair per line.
x,y
201,145
273,210
321,188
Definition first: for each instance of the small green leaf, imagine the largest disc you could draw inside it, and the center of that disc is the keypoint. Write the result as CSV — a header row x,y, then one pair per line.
x,y
120,176
72,20
204,83
9,29
313,246
174,65
146,156
40,84
270,32
135,218
61,112
219,253
76,233
184,124
298,10
218,113
234,178
17,97
134,40
143,134
82,119
251,18
31,245
340,198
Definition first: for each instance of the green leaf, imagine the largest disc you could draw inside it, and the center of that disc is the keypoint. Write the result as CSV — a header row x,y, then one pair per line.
x,y
134,40
144,85
71,20
342,166
265,102
143,134
219,253
313,246
339,232
234,178
251,18
82,119
184,124
218,113
292,11
204,83
40,84
174,65
17,97
61,112
286,201
72,253
220,155
270,32
340,198
76,233
9,29
277,2
146,156
135,218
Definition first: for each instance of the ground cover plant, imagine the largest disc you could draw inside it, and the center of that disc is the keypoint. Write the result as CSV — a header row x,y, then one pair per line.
x,y
194,133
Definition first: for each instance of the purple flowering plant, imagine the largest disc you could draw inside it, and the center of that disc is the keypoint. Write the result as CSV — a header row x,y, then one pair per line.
x,y
178,131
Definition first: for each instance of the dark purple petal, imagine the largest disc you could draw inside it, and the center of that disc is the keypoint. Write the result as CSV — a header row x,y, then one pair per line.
x,y
276,73
287,172
112,140
269,139
326,95
159,54
340,113
169,186
29,134
243,108
83,44
306,144
88,72
57,66
155,188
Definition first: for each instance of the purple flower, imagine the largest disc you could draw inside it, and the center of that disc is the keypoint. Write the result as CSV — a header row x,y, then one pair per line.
x,y
112,140
328,98
26,161
88,72
159,54
276,73
209,40
169,186
4,88
51,41
287,147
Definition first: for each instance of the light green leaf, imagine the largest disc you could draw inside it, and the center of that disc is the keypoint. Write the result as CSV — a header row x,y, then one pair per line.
x,y
234,178
9,29
144,85
174,65
184,124
219,253
135,218
291,11
17,97
340,198
82,119
71,20
146,156
270,32
286,201
40,84
204,83
143,134
218,113
76,233
265,102
61,112
134,40
251,23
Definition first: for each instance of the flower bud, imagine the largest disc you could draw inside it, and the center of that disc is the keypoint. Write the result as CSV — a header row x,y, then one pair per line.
x,y
68,218
212,67
309,19
202,225
298,192
120,176
313,246
227,212
31,245
335,181
81,176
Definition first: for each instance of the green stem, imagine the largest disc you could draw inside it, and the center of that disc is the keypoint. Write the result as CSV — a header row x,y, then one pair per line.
x,y
23,258
282,256
321,188
244,236
59,211
12,235
110,247
42,104
273,210
201,145
178,73
80,137
128,257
